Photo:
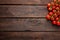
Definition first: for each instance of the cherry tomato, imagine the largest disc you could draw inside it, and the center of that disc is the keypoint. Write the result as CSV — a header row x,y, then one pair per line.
x,y
52,18
53,7
55,15
50,13
49,4
54,0
54,11
57,8
58,13
48,17
50,9
57,19
54,22
58,23
58,0
57,5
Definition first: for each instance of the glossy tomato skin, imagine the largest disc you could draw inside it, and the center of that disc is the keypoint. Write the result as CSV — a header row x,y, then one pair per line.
x,y
54,22
57,19
48,5
54,0
54,7
58,23
58,11
58,15
59,0
57,8
48,17
50,13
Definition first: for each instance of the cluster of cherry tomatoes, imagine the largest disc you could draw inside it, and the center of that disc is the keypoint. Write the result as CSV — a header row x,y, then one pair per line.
x,y
54,12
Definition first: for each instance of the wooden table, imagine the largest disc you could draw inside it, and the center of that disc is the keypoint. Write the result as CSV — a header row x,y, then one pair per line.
x,y
25,20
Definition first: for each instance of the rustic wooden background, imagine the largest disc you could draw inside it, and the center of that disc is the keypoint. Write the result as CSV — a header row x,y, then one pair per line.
x,y
25,20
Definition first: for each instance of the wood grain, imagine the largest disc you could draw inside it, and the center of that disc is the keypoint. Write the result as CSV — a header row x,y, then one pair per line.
x,y
30,35
23,11
27,24
24,1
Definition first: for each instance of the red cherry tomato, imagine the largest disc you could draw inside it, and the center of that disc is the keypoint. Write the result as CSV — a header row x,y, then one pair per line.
x,y
50,13
50,9
48,17
53,7
57,19
57,5
55,15
58,13
54,22
52,18
57,8
54,0
58,23
59,0
54,11
49,4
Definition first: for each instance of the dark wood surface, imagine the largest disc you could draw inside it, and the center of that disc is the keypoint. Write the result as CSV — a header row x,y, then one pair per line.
x,y
25,20
22,11
27,24
30,35
24,1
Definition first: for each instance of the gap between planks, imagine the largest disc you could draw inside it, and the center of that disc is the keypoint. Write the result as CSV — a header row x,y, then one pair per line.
x,y
27,4
22,17
29,31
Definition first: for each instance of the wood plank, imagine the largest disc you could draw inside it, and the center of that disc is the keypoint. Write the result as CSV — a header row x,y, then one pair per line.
x,y
30,35
23,11
27,24
24,1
